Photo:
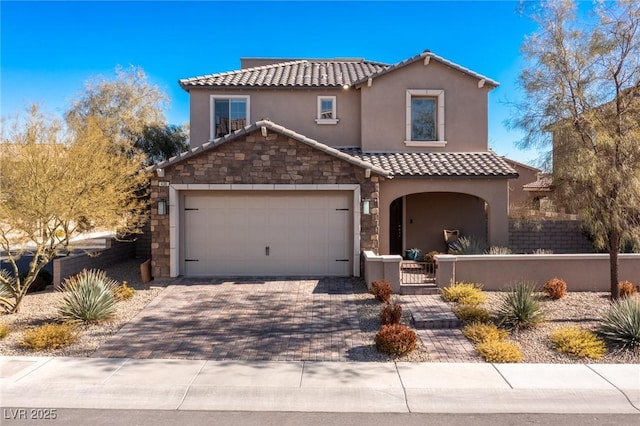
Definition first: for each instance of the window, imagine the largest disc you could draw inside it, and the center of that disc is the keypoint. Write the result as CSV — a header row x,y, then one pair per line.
x,y
229,113
425,118
327,110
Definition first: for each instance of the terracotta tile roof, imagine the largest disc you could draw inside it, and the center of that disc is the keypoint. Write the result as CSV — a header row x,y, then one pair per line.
x,y
543,183
298,73
430,55
279,129
437,164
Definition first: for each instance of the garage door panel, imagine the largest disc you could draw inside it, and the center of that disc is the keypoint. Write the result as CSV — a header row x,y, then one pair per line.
x,y
305,233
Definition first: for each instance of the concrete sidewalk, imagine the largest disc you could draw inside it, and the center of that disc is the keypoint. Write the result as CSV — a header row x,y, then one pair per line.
x,y
122,383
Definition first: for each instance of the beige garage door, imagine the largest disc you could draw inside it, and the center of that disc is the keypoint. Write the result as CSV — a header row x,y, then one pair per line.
x,y
267,233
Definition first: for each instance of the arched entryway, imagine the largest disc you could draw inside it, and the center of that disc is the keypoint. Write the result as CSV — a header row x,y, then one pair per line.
x,y
418,220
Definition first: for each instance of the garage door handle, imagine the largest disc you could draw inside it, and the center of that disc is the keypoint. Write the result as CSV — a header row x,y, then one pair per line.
x,y
192,260
342,260
266,251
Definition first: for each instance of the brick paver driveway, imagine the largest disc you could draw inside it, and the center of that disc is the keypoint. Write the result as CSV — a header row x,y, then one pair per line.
x,y
280,320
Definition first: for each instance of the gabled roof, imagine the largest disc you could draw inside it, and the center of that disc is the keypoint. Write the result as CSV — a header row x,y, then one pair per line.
x,y
320,73
514,163
543,183
279,129
431,56
438,164
299,73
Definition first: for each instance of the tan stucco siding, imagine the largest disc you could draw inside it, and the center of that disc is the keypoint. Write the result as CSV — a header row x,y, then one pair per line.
x,y
293,109
493,191
384,108
427,215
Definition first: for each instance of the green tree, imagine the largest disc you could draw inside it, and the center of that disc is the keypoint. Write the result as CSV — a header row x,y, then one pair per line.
x,y
123,107
55,184
582,85
161,142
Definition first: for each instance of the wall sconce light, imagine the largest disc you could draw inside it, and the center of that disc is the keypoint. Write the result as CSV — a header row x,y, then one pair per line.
x,y
162,207
366,206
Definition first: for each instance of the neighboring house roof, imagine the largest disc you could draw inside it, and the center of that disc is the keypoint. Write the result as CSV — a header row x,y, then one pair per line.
x,y
279,129
438,164
543,183
321,73
422,57
298,73
515,163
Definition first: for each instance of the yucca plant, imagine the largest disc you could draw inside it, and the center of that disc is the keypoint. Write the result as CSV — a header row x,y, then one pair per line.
x,y
465,245
519,307
499,250
620,326
89,297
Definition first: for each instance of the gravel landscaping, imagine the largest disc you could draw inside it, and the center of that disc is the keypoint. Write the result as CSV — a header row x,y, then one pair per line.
x,y
580,309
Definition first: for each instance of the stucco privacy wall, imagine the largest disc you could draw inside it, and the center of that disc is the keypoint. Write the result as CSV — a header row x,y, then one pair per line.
x,y
582,272
559,236
255,159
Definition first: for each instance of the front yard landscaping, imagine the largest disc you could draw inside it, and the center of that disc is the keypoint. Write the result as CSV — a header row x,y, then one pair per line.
x,y
582,310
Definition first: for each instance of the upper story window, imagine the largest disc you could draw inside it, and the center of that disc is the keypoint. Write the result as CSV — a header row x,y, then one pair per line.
x,y
228,113
425,118
327,110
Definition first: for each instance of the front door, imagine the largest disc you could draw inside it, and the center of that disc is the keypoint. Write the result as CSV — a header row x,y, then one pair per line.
x,y
395,227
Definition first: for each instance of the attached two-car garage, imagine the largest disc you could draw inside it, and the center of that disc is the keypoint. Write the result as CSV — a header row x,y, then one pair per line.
x,y
266,233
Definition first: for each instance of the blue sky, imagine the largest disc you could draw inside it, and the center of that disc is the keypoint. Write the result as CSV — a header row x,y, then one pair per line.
x,y
49,49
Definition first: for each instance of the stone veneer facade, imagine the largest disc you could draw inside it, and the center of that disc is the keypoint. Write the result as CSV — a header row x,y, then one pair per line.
x,y
255,159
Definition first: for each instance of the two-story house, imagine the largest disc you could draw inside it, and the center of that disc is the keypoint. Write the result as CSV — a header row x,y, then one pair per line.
x,y
298,166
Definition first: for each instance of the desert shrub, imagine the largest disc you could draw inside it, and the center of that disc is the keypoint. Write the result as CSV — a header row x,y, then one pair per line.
x,y
391,314
472,313
578,342
620,326
395,339
542,251
483,332
464,293
381,290
89,296
499,250
123,291
431,256
49,336
466,245
4,330
556,288
626,289
519,307
499,351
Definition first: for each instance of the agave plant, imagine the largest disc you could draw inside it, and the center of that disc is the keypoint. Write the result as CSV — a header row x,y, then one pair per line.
x,y
465,245
519,307
620,326
89,297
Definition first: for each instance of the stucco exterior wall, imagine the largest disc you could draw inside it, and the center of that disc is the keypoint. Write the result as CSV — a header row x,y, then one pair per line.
x,y
254,159
428,214
517,196
293,109
384,108
582,272
492,191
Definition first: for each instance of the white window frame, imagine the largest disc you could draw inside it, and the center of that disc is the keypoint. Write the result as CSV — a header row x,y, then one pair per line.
x,y
334,102
440,141
212,118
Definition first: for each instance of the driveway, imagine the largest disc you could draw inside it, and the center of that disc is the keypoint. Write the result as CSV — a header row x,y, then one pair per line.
x,y
277,320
